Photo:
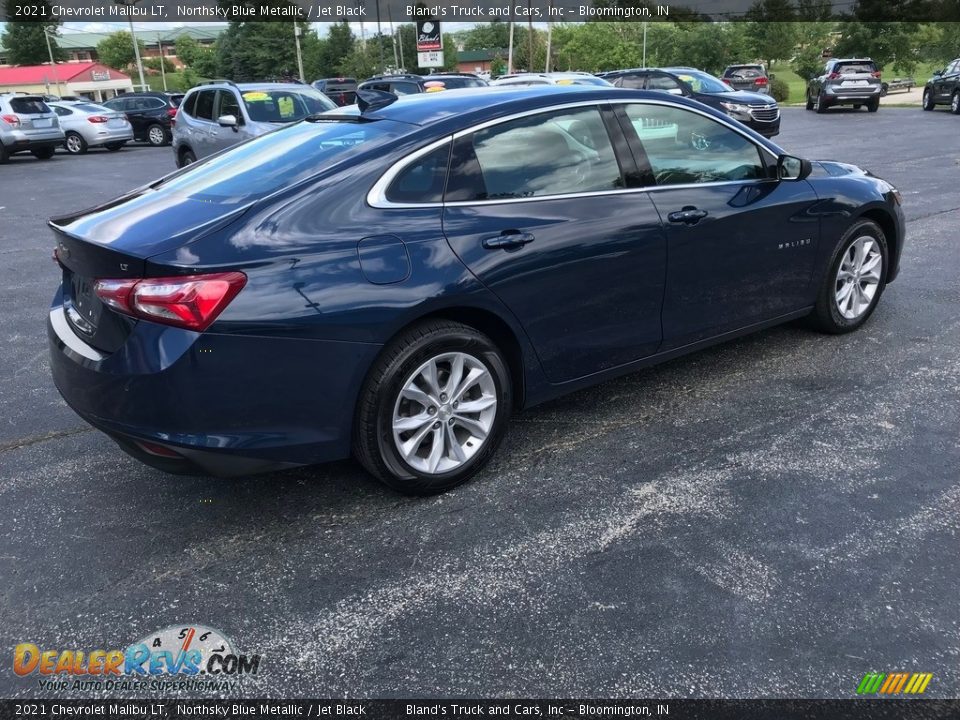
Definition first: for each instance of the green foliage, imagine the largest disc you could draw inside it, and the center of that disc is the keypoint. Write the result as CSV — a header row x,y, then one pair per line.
x,y
116,50
885,42
779,90
251,51
325,57
154,64
498,66
771,32
188,78
187,49
489,36
24,42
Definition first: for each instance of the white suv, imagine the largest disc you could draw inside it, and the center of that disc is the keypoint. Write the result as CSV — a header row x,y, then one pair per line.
x,y
27,124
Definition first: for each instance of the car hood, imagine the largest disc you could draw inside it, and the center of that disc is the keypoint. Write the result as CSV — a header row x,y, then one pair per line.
x,y
831,168
747,98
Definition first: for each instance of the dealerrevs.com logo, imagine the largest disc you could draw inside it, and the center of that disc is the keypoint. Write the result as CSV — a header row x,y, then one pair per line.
x,y
190,657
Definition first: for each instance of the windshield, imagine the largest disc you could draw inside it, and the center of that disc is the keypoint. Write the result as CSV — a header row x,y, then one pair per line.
x,y
455,83
270,162
286,105
703,83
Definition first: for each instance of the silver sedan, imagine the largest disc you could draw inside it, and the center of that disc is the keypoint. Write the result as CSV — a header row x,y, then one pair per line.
x,y
86,125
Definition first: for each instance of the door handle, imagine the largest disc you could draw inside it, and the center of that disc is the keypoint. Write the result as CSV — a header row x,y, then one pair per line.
x,y
508,240
689,215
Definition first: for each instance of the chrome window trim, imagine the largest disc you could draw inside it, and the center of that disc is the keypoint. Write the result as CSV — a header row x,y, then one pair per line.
x,y
377,195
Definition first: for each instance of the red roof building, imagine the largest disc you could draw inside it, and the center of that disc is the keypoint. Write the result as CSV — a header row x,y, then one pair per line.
x,y
90,79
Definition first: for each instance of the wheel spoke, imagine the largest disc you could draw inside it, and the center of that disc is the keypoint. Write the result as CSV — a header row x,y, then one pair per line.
x,y
871,262
437,450
412,392
410,447
430,375
478,405
412,422
477,429
454,444
456,372
844,292
472,378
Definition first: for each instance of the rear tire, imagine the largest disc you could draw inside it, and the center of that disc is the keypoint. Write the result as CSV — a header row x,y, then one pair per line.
x,y
827,315
873,105
157,136
928,103
820,107
4,155
428,447
75,144
955,103
186,157
113,147
809,101
43,153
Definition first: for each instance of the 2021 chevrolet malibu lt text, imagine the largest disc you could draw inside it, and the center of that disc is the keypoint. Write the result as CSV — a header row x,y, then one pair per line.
x,y
394,279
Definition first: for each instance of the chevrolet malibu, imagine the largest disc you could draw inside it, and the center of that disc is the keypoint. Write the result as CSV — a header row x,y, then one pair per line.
x,y
394,279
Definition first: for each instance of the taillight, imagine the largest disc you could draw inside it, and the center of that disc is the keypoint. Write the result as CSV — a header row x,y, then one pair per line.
x,y
189,301
171,112
97,119
833,76
760,81
11,120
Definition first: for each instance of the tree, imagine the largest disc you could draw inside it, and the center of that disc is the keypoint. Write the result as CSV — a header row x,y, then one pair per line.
x,y
771,30
251,51
486,37
187,49
884,42
116,50
154,64
333,50
25,42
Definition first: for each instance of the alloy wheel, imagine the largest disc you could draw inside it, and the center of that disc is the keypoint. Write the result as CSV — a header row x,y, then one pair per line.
x,y
74,143
157,136
444,413
858,277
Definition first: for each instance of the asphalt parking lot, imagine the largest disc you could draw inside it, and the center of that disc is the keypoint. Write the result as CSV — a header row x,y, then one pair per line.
x,y
773,517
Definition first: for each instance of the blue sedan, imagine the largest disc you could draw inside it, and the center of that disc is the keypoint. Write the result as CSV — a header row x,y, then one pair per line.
x,y
394,279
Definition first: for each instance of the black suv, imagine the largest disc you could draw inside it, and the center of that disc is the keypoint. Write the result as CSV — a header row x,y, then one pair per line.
x,y
411,84
343,91
758,112
150,113
944,88
752,78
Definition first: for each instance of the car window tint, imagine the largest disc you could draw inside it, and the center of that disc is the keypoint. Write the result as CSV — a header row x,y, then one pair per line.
x,y
854,68
404,88
283,106
204,107
422,181
566,151
61,111
229,105
633,82
686,147
664,83
28,106
189,106
90,107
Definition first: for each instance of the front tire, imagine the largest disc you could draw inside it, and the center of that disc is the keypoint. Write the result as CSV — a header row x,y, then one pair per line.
x,y
809,101
855,280
113,147
955,103
433,408
43,153
186,157
873,105
928,103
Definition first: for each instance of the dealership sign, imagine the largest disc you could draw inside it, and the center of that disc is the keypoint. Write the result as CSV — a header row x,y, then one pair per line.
x,y
428,36
99,75
430,59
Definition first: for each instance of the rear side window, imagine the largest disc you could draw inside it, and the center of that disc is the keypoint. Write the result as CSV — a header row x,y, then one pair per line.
x,y
633,82
62,111
555,153
28,106
189,107
422,181
204,108
404,88
116,104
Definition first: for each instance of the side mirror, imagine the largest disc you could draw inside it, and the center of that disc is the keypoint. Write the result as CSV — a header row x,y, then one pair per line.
x,y
793,168
229,121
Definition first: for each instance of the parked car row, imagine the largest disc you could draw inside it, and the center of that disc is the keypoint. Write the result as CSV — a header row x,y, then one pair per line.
x,y
944,88
40,123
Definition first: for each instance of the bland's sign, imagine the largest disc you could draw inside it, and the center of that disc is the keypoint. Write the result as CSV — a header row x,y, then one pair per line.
x,y
428,36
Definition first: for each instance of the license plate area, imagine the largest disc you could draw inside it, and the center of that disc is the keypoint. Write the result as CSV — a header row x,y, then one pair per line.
x,y
43,122
83,306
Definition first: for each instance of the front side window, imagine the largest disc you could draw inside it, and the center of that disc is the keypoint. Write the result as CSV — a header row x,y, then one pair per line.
x,y
284,106
204,107
404,88
229,105
684,147
632,82
664,83
554,153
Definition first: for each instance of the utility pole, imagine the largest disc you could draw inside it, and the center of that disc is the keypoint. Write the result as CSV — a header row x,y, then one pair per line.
x,y
379,37
529,36
393,34
510,50
644,44
549,33
53,65
296,41
163,61
403,63
133,36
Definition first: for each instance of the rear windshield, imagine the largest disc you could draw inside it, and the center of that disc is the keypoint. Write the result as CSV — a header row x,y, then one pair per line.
x,y
90,107
744,72
853,68
270,162
175,100
28,106
284,106
455,83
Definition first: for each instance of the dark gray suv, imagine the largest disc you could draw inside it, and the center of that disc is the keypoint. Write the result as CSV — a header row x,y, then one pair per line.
x,y
853,81
215,115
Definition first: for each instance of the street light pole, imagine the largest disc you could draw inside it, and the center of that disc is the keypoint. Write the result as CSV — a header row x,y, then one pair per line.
x,y
163,72
133,36
56,75
296,40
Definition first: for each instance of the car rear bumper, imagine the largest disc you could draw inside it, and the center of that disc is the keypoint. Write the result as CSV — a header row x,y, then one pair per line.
x,y
108,135
837,95
227,404
17,141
